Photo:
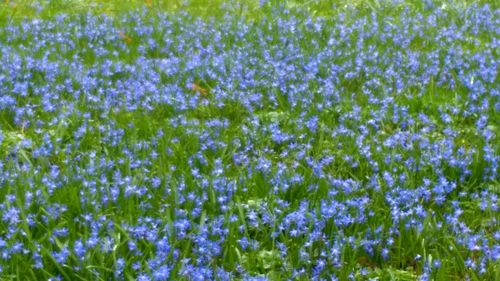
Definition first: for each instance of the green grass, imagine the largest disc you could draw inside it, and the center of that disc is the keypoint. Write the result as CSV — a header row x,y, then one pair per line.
x,y
16,10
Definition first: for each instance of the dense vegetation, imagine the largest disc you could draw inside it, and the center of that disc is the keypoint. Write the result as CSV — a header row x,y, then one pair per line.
x,y
254,140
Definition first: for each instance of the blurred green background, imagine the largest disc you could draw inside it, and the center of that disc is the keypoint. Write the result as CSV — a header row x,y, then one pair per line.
x,y
12,10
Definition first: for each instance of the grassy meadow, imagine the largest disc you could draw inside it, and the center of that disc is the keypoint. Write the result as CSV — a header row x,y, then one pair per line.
x,y
249,140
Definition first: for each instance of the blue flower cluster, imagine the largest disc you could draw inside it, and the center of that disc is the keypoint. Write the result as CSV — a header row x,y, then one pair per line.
x,y
166,146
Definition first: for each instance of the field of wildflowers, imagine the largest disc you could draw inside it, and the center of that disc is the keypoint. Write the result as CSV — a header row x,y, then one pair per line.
x,y
257,140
